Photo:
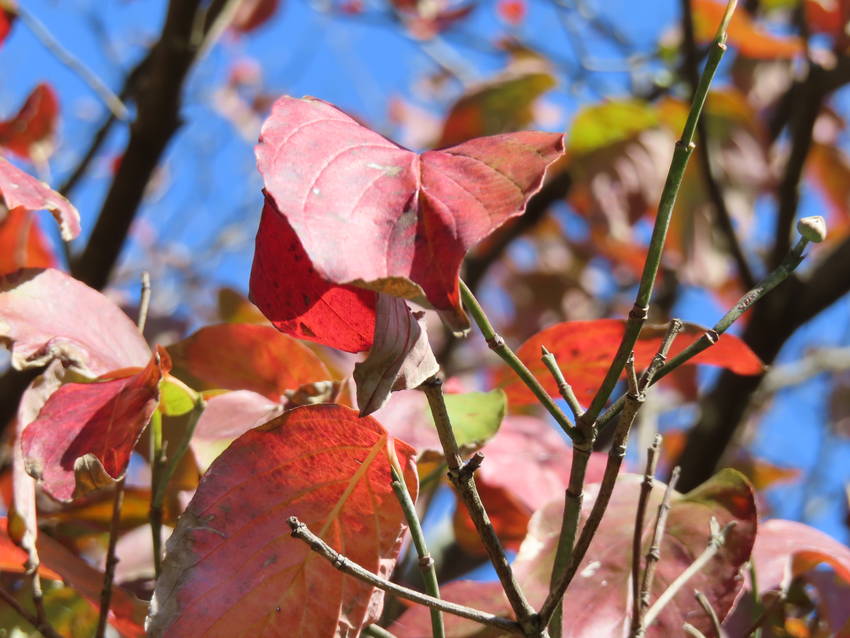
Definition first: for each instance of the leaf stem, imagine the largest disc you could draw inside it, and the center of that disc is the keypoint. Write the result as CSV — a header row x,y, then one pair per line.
x,y
497,344
681,155
462,477
715,542
376,631
711,336
426,563
705,603
343,564
111,559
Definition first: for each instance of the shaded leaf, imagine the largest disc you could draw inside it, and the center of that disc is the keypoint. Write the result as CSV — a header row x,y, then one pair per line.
x,y
499,106
22,243
785,549
231,414
341,317
242,356
30,133
20,190
743,33
400,358
85,432
412,217
230,568
46,314
597,603
585,349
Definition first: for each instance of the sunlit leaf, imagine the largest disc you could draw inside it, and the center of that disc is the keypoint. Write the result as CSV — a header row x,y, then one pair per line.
x,y
29,134
230,567
412,217
585,349
22,243
20,190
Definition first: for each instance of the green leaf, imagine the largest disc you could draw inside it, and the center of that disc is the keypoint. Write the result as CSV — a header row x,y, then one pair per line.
x,y
475,416
175,397
602,125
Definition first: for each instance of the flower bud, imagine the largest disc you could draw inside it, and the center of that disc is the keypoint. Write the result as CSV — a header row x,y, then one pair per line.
x,y
812,228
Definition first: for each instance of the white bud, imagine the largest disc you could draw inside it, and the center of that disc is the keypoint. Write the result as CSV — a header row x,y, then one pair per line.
x,y
812,228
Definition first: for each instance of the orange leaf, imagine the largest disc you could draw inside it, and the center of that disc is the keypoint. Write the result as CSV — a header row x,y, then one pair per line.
x,y
748,37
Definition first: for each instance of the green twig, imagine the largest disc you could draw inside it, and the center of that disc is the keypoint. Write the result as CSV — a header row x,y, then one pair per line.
x,y
346,566
791,261
560,581
426,563
377,632
497,344
564,388
681,155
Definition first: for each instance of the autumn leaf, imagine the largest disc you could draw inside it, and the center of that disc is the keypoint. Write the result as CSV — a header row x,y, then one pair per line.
x,y
412,217
242,356
85,433
7,18
400,357
21,191
743,33
585,349
230,569
30,133
22,243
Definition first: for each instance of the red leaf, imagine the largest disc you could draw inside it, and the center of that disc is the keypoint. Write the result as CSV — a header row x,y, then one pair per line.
x,y
411,217
230,567
21,190
512,11
252,14
47,314
6,20
400,358
229,415
785,549
342,317
22,243
585,349
30,133
87,428
241,356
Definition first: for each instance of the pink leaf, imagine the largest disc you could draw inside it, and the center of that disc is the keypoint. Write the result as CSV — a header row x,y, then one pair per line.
x,y
411,217
232,567
47,314
20,190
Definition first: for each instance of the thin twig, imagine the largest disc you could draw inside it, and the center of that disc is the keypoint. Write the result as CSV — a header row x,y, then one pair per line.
x,y
788,265
376,631
689,629
564,388
111,559
72,62
648,377
681,155
640,516
155,514
705,603
343,564
46,630
612,468
497,344
712,187
653,555
715,542
144,302
426,563
462,477
38,598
